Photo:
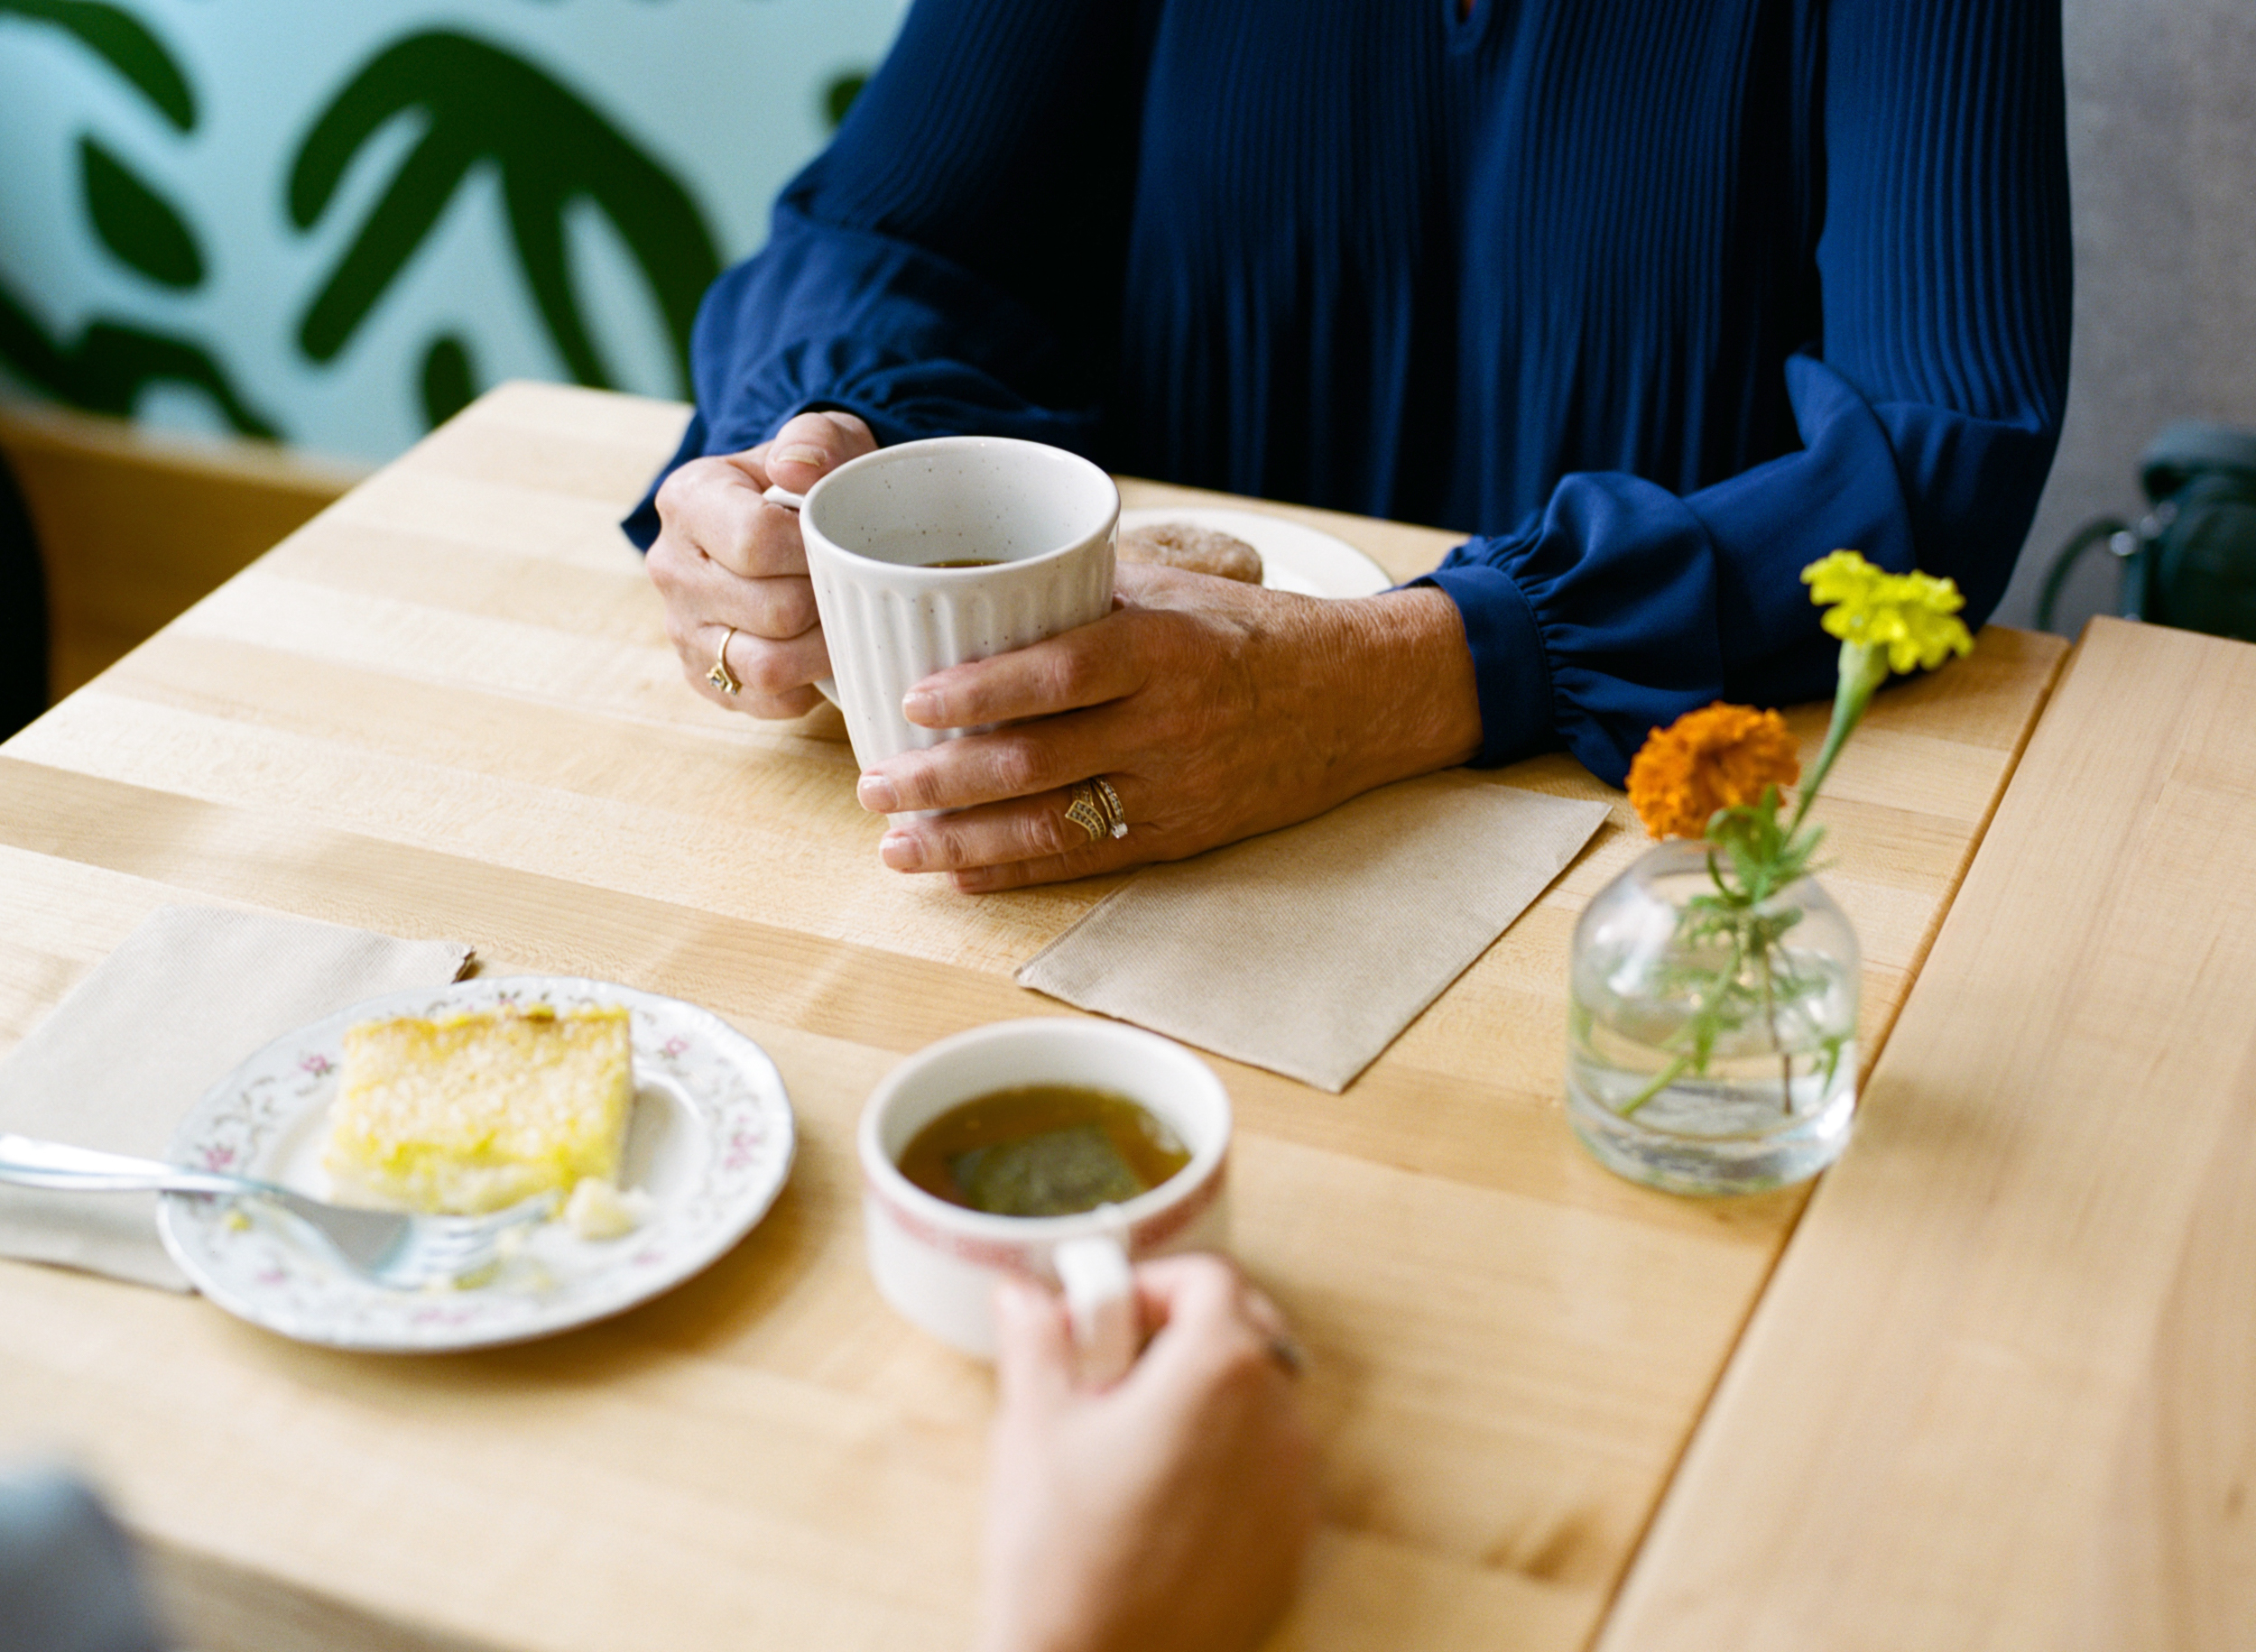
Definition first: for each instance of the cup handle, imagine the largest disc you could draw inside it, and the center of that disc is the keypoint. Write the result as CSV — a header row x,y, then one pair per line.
x,y
826,686
1101,1304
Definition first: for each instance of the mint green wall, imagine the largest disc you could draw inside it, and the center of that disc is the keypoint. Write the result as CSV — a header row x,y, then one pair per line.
x,y
333,220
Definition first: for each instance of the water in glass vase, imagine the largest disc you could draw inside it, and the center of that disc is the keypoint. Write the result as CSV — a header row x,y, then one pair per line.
x,y
1770,1099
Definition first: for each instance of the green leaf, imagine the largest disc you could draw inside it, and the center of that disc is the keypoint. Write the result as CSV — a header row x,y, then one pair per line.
x,y
838,97
1747,870
123,42
450,384
480,105
134,222
106,367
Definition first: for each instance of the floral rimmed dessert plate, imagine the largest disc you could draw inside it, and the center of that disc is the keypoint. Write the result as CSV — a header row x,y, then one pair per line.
x,y
1294,557
709,1142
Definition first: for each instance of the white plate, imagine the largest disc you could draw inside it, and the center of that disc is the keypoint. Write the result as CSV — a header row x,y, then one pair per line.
x,y
1294,557
710,1139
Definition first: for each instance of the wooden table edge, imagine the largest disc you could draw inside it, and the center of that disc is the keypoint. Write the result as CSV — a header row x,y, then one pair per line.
x,y
1686,1587
2053,677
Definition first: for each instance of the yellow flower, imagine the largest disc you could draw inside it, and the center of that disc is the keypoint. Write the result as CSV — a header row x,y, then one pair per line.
x,y
1914,616
1719,757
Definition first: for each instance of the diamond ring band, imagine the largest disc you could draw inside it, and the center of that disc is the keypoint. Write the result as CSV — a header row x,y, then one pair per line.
x,y
1096,810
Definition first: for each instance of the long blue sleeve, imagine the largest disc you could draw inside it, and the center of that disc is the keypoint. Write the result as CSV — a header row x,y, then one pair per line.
x,y
1928,408
986,159
1664,302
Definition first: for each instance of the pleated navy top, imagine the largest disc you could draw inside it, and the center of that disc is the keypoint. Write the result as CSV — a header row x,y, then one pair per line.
x,y
1662,301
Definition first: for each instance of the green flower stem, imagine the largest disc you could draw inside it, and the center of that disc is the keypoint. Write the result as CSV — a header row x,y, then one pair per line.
x,y
1696,1058
1863,668
1667,1076
1763,860
1770,1019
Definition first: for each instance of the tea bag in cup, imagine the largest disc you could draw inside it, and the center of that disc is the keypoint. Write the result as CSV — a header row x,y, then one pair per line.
x,y
1125,1161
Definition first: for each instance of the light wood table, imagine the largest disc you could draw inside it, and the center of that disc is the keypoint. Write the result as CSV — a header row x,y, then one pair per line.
x,y
2003,1393
447,707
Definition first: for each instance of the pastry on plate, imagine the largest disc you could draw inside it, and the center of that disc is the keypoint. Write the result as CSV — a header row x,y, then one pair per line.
x,y
473,1112
1194,549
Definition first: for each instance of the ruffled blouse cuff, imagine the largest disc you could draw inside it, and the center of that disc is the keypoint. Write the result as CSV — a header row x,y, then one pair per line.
x,y
1509,670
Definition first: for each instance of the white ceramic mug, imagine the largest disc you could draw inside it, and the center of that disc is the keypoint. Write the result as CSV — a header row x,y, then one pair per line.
x,y
1045,519
938,1263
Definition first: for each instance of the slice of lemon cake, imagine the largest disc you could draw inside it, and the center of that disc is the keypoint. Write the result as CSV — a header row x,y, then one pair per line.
x,y
475,1112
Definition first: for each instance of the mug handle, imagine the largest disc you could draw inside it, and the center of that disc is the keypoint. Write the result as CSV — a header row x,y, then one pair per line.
x,y
1101,1304
825,686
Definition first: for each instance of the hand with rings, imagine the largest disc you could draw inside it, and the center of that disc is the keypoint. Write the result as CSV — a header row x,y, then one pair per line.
x,y
1096,810
1198,712
739,607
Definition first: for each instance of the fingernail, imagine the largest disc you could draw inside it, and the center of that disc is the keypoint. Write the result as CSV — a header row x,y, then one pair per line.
x,y
900,851
875,793
798,453
920,706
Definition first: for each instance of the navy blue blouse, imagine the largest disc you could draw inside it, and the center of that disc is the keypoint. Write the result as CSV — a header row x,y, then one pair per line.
x,y
1662,301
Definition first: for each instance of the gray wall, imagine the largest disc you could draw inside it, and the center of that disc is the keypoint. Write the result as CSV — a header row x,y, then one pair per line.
x,y
2162,157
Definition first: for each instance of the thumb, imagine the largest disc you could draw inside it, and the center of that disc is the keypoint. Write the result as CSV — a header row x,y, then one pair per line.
x,y
1034,1360
813,444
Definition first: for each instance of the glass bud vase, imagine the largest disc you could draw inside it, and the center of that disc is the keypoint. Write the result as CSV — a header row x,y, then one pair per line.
x,y
1662,966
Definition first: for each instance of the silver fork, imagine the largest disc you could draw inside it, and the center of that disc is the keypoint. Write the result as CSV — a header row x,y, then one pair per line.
x,y
399,1252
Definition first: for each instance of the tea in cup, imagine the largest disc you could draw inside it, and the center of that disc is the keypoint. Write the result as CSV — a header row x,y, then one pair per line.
x,y
1052,1149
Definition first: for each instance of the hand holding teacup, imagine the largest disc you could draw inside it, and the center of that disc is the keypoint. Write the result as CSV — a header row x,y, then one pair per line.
x,y
1193,712
938,1253
939,553
1169,1511
733,572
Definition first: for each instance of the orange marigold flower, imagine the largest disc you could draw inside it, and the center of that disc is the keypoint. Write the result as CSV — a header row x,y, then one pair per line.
x,y
1719,757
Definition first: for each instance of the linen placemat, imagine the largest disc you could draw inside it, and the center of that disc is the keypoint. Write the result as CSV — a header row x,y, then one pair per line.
x,y
181,1002
1306,951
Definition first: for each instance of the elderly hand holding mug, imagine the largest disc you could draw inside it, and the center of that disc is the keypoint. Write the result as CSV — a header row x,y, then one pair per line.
x,y
1209,710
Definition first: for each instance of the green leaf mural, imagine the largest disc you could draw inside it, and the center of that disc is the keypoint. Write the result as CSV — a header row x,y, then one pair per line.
x,y
108,365
117,36
134,222
838,97
111,363
481,103
449,383
161,261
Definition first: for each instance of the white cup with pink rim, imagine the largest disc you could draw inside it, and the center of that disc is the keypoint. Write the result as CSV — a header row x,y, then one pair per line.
x,y
1041,525
938,1264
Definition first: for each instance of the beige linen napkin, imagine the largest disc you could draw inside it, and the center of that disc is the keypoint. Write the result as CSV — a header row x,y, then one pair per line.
x,y
181,1002
1306,951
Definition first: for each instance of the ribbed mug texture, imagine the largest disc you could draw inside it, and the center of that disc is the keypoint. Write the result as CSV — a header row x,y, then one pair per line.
x,y
889,625
885,639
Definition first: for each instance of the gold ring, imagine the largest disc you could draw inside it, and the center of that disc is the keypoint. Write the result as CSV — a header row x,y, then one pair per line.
x,y
720,676
1096,810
